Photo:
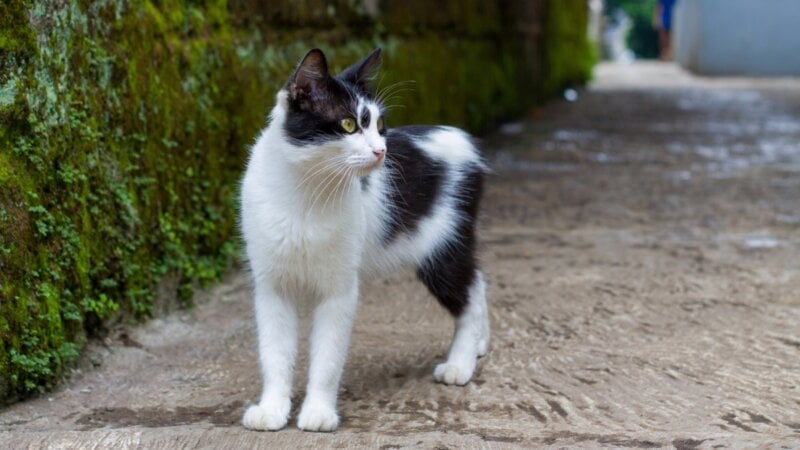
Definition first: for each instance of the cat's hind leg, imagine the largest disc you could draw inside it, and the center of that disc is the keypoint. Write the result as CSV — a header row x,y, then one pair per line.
x,y
460,288
276,319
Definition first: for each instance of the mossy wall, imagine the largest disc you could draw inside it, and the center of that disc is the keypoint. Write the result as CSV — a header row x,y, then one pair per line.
x,y
568,54
124,127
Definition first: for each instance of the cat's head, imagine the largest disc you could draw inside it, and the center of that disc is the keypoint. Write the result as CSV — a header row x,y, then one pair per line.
x,y
335,118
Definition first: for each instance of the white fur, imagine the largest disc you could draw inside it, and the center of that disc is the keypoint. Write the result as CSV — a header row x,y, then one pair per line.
x,y
309,231
471,339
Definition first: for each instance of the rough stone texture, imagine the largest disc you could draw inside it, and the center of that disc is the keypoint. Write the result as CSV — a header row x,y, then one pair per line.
x,y
641,248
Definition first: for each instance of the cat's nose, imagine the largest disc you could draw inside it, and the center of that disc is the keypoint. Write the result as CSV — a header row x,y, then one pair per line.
x,y
379,152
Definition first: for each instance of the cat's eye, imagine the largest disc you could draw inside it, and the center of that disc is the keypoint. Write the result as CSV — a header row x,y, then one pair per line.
x,y
348,125
380,124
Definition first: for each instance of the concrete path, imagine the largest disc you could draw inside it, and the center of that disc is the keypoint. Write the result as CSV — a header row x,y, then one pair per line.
x,y
643,250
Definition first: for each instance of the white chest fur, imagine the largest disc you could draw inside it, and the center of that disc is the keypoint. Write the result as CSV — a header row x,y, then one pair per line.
x,y
302,253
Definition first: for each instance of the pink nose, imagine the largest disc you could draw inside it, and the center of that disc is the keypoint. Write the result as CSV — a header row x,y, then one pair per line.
x,y
379,152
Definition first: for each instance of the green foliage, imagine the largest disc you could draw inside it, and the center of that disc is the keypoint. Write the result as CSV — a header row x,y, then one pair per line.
x,y
120,147
568,53
643,38
125,128
13,37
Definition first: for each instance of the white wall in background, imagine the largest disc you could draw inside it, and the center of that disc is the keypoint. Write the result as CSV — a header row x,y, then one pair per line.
x,y
738,37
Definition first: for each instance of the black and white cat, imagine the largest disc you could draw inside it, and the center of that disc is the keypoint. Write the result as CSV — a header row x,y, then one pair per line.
x,y
330,194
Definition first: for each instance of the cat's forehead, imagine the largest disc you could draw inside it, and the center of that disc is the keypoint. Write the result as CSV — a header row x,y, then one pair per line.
x,y
346,100
364,104
336,101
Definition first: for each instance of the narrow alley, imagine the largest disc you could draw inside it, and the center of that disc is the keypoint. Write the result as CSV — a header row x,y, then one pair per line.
x,y
642,246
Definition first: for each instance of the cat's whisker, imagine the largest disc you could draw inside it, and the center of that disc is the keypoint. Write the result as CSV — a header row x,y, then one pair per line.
x,y
389,95
310,175
388,102
391,107
348,182
396,85
394,167
393,96
396,94
335,190
326,166
311,170
318,188
397,167
330,178
380,82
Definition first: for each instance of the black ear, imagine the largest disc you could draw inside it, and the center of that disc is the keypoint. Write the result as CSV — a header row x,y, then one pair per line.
x,y
362,72
310,75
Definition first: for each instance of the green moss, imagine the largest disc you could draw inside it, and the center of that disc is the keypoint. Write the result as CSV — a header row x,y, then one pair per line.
x,y
568,54
126,126
15,35
469,93
6,171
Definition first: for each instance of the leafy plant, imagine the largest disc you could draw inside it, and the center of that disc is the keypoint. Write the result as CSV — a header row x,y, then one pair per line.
x,y
642,39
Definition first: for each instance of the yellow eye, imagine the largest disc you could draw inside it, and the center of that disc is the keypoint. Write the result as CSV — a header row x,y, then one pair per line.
x,y
348,125
380,123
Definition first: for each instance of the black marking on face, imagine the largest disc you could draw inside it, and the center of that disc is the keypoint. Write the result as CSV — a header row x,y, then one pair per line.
x,y
317,102
415,180
319,121
364,119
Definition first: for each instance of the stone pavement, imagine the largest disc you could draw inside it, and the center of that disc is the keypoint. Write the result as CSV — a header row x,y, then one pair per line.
x,y
642,246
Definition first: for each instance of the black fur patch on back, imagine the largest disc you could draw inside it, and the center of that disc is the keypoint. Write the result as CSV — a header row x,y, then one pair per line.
x,y
416,183
414,179
450,271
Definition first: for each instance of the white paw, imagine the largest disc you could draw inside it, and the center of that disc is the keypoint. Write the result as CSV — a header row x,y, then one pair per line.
x,y
451,373
317,417
270,416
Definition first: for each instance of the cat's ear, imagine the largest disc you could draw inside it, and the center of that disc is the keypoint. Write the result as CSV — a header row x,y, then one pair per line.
x,y
363,72
310,75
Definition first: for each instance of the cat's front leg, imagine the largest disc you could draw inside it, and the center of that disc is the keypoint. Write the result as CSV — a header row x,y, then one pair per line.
x,y
276,319
329,340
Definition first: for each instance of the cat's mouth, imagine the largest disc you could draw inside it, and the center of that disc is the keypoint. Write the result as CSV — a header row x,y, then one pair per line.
x,y
377,163
365,167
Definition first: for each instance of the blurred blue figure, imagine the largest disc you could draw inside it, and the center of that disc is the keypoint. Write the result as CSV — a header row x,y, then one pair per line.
x,y
662,20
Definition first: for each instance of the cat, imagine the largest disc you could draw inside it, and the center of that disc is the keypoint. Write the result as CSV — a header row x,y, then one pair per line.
x,y
331,193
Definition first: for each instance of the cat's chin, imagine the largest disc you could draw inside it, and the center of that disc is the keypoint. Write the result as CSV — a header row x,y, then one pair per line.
x,y
366,169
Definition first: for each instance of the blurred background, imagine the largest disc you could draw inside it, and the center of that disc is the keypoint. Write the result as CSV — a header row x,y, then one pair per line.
x,y
709,37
